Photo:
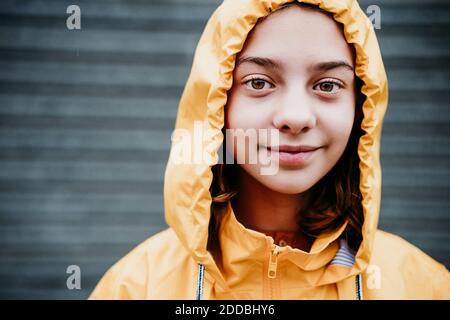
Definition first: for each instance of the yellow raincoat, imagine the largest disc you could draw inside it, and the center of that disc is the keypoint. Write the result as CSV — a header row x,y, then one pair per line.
x,y
174,264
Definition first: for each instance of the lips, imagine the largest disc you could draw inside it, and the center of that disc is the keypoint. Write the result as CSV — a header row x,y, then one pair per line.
x,y
293,149
293,156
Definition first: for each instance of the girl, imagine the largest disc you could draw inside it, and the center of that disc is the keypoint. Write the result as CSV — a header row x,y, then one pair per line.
x,y
312,72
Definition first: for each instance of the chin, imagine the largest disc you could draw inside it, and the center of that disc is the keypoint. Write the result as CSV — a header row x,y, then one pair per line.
x,y
286,185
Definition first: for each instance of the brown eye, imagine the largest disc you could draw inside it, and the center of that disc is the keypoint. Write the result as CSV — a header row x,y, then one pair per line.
x,y
258,84
327,86
331,87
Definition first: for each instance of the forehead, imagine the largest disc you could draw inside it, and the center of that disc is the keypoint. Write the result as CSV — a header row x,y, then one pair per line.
x,y
298,34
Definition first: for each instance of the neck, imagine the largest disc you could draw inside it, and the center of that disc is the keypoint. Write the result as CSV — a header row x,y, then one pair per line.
x,y
260,208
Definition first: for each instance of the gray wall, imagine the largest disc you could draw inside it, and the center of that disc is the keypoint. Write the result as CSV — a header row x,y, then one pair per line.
x,y
86,117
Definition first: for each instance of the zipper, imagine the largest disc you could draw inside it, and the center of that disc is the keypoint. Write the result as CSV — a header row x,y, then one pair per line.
x,y
200,281
273,261
272,269
359,295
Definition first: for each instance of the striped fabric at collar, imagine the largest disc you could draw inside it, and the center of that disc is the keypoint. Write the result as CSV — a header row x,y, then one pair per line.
x,y
345,255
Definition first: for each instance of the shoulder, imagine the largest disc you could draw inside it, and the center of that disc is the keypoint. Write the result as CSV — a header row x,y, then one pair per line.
x,y
155,250
407,269
394,248
140,271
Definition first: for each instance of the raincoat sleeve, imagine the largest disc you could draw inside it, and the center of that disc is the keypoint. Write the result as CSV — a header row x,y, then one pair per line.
x,y
423,276
109,288
442,283
126,280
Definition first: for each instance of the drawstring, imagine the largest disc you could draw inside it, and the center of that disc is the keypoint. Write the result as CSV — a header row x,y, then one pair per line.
x,y
359,295
200,280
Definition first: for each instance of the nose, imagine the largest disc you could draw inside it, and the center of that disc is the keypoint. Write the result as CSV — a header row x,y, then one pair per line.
x,y
294,112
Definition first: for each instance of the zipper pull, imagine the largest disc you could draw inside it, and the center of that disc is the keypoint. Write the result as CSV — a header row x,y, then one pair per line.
x,y
272,271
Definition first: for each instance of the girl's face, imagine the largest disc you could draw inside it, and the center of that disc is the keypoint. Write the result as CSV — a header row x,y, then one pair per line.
x,y
295,74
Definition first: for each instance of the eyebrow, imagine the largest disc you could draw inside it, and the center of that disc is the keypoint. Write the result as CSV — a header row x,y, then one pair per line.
x,y
261,61
329,65
269,63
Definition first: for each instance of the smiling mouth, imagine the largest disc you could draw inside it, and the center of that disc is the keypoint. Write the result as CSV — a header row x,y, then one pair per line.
x,y
293,149
292,155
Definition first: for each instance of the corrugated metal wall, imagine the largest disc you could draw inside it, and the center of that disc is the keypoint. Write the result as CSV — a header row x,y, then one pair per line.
x,y
86,117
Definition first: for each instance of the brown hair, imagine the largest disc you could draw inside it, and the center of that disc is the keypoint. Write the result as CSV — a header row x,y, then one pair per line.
x,y
332,201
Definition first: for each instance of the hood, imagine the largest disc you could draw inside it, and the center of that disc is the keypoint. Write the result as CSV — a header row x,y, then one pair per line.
x,y
187,199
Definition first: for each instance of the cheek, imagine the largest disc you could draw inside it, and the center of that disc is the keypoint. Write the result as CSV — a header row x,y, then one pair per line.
x,y
338,125
241,113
